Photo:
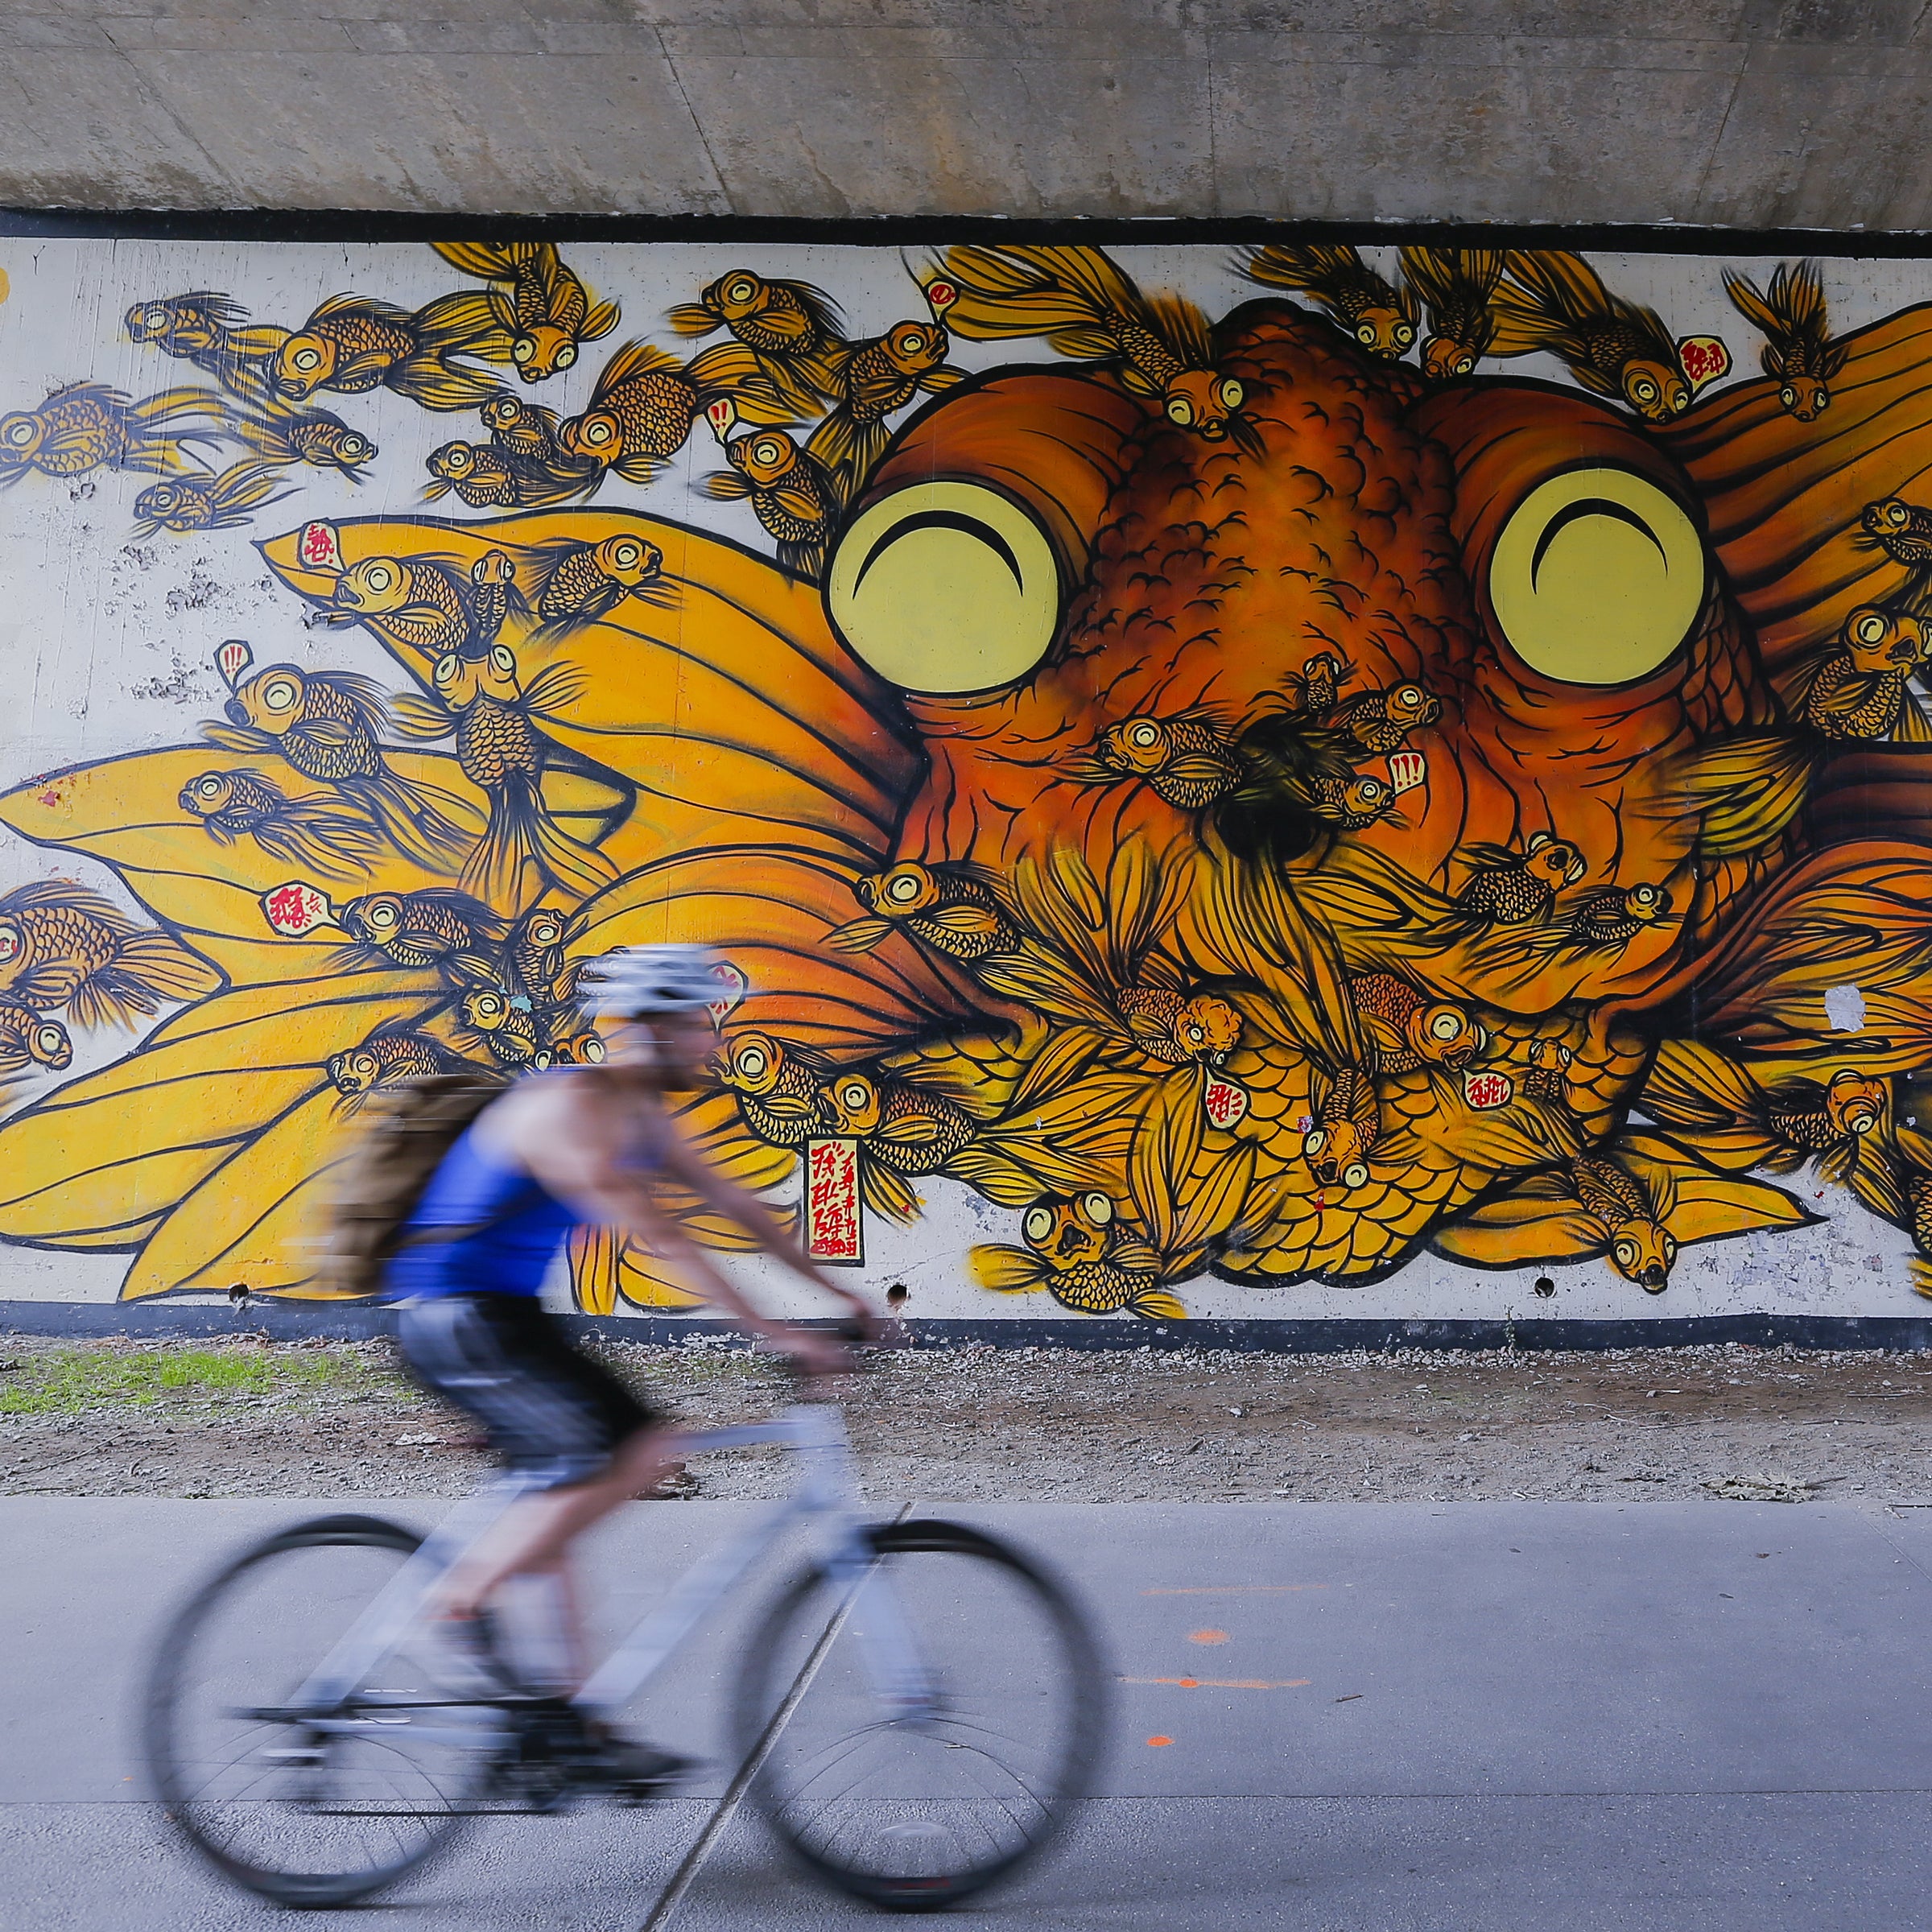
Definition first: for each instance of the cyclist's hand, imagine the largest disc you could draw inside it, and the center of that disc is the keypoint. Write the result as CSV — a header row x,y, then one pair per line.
x,y
814,1354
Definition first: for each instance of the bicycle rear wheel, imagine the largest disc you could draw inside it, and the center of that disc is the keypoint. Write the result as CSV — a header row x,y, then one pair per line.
x,y
314,1807
914,1806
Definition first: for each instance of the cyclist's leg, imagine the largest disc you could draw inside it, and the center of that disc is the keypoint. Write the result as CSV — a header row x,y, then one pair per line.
x,y
534,1535
556,1418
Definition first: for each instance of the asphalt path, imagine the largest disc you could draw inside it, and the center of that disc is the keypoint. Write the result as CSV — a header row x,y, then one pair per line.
x,y
1420,1717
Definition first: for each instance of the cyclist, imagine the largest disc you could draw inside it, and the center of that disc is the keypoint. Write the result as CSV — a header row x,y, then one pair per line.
x,y
575,1145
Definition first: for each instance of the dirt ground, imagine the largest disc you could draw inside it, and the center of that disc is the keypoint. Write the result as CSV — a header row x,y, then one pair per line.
x,y
310,1419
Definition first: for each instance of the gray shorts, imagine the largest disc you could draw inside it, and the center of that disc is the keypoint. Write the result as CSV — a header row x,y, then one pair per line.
x,y
552,1415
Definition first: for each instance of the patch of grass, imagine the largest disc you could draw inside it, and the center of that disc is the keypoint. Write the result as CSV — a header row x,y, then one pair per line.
x,y
70,1381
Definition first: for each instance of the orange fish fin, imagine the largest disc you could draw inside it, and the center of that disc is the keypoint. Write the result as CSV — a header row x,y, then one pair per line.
x,y
860,935
1008,1270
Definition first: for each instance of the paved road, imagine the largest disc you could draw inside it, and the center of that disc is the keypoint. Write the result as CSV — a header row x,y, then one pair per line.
x,y
1516,1716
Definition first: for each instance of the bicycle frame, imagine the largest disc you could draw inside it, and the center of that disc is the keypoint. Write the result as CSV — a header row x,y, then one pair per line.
x,y
899,1675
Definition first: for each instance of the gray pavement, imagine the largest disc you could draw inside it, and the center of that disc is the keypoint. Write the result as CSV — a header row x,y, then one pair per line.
x,y
1412,1716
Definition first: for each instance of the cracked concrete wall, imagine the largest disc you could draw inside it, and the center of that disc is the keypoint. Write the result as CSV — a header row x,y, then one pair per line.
x,y
1751,113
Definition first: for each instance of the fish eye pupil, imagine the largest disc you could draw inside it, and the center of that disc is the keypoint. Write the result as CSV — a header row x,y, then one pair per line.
x,y
1145,736
1039,1224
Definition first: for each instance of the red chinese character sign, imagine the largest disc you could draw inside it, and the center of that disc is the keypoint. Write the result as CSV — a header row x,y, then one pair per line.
x,y
832,1229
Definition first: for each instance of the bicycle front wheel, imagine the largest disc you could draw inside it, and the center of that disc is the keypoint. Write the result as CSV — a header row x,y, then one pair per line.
x,y
925,1729
306,1805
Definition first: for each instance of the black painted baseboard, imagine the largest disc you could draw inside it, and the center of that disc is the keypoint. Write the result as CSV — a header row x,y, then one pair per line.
x,y
296,1321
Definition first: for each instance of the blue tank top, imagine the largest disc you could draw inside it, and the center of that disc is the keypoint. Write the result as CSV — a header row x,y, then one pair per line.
x,y
511,1255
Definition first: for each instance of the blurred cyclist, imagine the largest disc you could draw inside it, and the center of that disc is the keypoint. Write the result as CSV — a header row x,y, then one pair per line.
x,y
579,1145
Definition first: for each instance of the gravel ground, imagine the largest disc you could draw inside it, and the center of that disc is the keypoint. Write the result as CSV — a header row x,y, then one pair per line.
x,y
310,1419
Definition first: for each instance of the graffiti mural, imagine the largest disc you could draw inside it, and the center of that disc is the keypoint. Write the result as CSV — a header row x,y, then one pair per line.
x,y
1411,758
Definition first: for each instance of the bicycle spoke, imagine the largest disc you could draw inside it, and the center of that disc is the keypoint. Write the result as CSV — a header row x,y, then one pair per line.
x,y
923,1808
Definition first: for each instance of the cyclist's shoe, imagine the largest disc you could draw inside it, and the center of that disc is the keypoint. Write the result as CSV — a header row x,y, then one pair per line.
x,y
559,1750
628,1769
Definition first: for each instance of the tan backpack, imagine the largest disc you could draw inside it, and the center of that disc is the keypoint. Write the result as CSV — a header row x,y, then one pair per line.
x,y
410,1127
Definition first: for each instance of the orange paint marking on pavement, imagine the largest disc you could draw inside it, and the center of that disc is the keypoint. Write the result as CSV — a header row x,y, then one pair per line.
x,y
1232,1589
1158,1741
1225,1683
1206,1637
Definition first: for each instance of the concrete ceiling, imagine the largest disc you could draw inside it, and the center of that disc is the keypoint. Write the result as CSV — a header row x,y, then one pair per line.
x,y
1745,113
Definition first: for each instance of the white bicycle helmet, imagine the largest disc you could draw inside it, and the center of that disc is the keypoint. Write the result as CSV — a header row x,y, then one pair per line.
x,y
636,982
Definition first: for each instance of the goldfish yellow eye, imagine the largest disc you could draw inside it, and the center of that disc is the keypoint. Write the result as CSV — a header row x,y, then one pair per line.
x,y
306,361
488,1004
1466,366
1039,1223
1097,1208
279,694
445,672
503,660
626,556
1597,577
911,343
1356,1174
1315,1140
853,1095
1180,411
382,915
739,290
1643,389
945,587
1625,1253
379,576
1820,398
1446,1026
1144,737
565,356
522,349
20,432
1371,790
1409,698
357,447
210,788
596,433
903,890
50,1040
1871,629
156,318
1404,334
767,450
752,1061
1230,392
1787,395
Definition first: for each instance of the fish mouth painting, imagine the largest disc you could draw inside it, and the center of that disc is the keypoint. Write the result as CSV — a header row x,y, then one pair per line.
x,y
1223,784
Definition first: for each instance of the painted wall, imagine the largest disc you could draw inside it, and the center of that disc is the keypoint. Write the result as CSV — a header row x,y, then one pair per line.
x,y
1351,785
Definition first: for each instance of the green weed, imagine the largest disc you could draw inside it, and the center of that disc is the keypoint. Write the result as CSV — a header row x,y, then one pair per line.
x,y
70,1381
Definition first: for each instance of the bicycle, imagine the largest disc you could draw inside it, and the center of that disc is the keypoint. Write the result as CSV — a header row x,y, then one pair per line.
x,y
875,1722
